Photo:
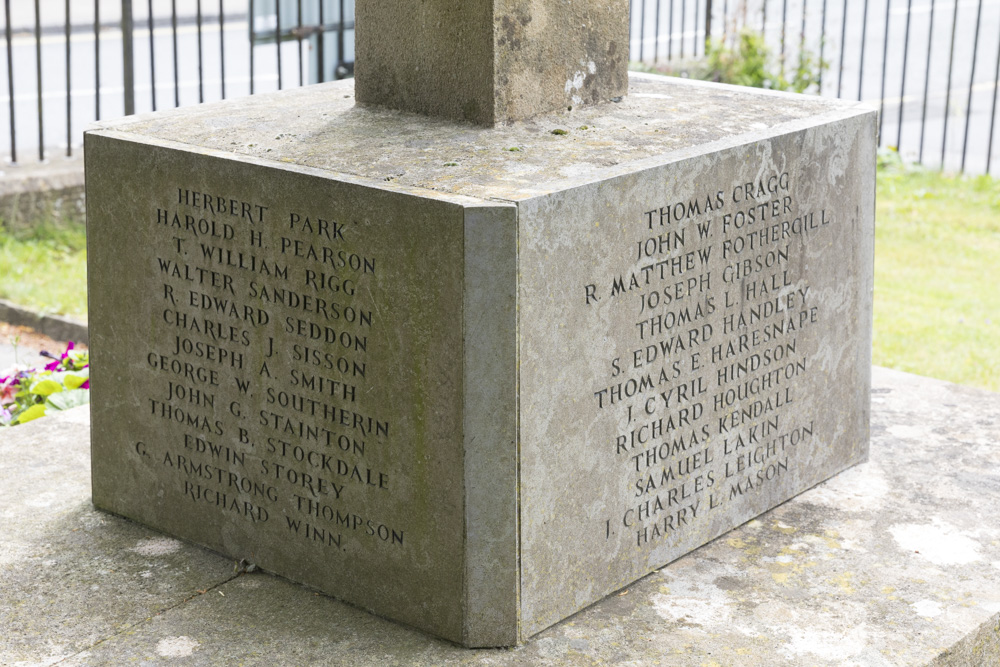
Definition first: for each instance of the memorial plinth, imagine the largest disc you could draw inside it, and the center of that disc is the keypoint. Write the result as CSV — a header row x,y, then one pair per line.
x,y
475,379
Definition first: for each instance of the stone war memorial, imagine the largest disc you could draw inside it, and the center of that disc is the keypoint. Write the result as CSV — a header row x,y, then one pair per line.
x,y
488,333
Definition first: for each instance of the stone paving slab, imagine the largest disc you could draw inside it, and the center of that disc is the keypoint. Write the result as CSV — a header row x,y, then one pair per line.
x,y
71,576
893,562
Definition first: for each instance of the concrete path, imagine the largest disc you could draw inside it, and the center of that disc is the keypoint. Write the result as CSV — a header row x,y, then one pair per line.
x,y
893,562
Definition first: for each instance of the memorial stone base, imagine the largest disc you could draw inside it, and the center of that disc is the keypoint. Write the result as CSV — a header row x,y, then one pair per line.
x,y
475,380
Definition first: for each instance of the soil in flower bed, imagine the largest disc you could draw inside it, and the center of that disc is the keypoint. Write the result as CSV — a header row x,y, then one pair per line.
x,y
31,339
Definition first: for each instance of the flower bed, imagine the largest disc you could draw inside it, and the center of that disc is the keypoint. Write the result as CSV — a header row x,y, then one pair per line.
x,y
63,383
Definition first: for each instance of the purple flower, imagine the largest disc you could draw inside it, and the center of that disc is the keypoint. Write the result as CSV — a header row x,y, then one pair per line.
x,y
60,361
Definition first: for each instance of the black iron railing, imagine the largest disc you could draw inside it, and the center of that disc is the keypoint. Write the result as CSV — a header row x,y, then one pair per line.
x,y
931,66
131,56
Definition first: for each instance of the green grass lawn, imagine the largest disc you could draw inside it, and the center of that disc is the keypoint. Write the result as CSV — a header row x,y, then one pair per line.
x,y
937,274
45,268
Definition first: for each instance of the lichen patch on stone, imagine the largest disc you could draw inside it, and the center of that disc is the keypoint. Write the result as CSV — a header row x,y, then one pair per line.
x,y
827,645
906,431
691,610
927,608
156,546
937,542
176,647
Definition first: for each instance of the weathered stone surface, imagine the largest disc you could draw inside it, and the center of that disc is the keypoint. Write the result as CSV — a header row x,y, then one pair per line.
x,y
351,418
72,576
476,389
491,61
320,127
893,562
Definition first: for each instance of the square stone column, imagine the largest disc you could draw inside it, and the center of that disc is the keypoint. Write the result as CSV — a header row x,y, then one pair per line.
x,y
490,61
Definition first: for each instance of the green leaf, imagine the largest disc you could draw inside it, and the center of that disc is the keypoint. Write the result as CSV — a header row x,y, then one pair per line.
x,y
32,413
46,387
74,380
68,399
78,359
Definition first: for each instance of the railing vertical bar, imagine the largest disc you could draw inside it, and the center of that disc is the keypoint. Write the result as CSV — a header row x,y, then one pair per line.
x,y
861,65
341,38
670,32
763,19
927,83
708,27
10,81
725,19
947,90
69,96
38,79
298,32
152,54
656,34
885,59
683,27
902,83
222,48
802,35
277,38
972,80
128,58
642,29
822,44
694,34
993,112
97,59
843,39
253,16
201,61
320,44
173,28
784,25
